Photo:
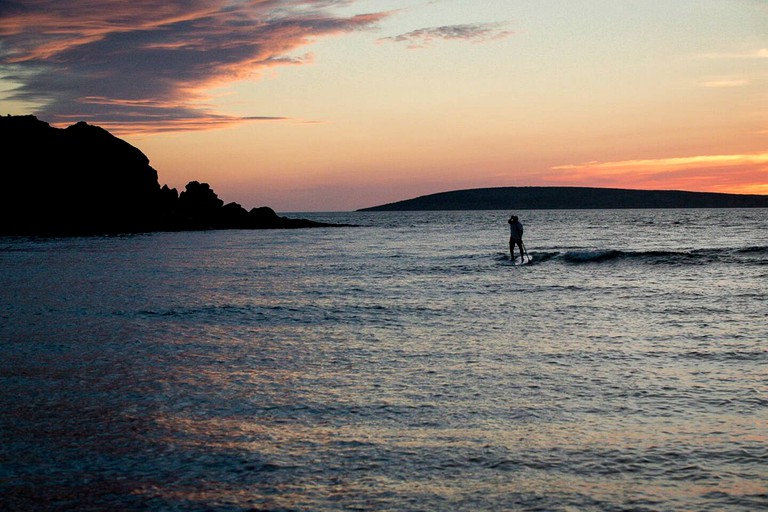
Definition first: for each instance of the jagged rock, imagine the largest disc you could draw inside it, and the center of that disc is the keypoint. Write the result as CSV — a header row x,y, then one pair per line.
x,y
76,180
84,180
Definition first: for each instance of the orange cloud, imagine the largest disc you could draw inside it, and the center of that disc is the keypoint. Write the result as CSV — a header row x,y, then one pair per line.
x,y
137,65
746,173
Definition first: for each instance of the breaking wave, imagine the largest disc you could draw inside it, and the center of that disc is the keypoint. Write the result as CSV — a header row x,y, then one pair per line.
x,y
755,255
744,255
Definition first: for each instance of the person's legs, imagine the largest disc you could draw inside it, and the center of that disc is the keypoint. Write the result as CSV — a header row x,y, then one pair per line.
x,y
512,243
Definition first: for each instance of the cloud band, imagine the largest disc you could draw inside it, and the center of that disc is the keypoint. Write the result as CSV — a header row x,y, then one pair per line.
x,y
147,65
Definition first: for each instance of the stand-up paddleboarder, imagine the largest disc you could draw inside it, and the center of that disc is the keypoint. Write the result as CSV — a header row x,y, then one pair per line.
x,y
515,237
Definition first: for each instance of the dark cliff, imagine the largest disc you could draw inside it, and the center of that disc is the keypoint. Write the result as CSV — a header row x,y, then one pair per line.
x,y
84,180
571,198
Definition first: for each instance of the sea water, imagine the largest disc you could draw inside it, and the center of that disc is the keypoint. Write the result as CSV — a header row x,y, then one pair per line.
x,y
403,364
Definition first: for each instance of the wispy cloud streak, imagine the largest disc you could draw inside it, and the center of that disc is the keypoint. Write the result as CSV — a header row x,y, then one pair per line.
x,y
149,64
762,53
726,83
743,173
474,32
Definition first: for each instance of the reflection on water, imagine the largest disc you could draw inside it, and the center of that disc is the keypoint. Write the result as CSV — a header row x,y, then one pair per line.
x,y
384,368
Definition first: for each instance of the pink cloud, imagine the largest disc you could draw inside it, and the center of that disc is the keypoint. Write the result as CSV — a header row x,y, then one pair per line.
x,y
148,64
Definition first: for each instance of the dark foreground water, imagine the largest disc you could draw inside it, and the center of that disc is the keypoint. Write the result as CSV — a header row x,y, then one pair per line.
x,y
402,365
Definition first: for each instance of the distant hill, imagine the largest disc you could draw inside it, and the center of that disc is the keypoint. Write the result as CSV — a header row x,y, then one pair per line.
x,y
570,198
83,180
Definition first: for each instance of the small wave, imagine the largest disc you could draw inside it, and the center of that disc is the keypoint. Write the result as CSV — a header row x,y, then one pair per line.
x,y
592,256
756,255
602,255
533,257
727,355
753,250
202,311
541,257
696,257
749,255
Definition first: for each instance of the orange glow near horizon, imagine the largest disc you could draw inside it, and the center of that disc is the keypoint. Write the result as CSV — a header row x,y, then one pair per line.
x,y
736,174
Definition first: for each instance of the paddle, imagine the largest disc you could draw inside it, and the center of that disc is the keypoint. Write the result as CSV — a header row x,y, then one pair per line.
x,y
525,251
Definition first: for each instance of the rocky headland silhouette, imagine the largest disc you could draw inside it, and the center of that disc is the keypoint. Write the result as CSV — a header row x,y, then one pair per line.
x,y
571,198
83,180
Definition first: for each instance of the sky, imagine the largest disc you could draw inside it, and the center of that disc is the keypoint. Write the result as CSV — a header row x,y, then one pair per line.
x,y
335,105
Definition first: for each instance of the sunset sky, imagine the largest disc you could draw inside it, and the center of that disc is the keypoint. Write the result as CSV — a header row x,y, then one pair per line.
x,y
322,105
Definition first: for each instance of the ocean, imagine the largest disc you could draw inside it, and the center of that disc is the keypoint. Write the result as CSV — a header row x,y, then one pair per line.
x,y
403,364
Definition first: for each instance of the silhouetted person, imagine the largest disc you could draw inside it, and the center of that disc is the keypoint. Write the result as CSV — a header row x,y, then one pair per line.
x,y
515,237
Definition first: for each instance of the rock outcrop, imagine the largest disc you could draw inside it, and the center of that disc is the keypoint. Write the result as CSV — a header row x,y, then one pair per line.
x,y
84,180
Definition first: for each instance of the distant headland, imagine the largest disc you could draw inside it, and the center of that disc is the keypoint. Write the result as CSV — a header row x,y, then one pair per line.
x,y
82,180
570,198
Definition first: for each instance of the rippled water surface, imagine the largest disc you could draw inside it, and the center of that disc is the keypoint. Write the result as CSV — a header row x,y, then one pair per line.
x,y
404,364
